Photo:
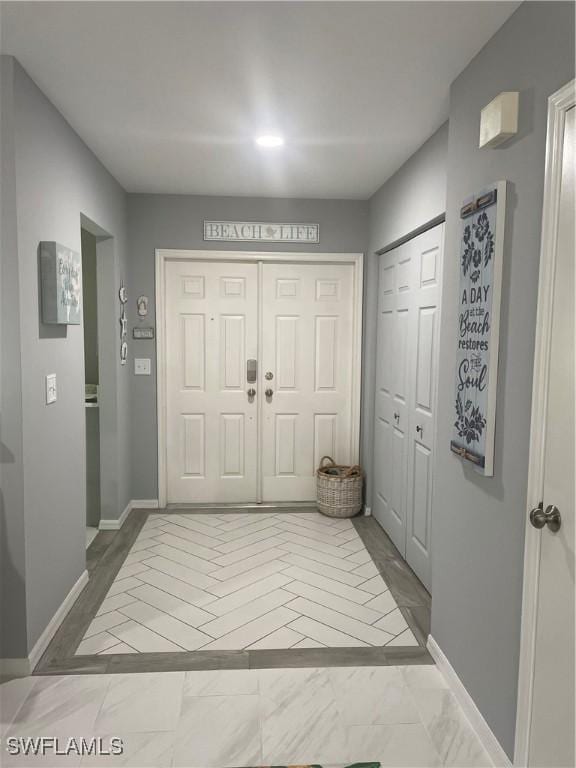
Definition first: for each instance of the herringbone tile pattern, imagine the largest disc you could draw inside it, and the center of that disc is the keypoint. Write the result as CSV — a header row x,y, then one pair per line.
x,y
246,581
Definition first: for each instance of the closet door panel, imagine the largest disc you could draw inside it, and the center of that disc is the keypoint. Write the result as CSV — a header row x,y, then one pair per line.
x,y
427,259
396,280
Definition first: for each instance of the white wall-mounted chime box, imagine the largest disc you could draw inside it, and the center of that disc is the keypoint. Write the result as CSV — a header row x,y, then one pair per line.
x,y
499,119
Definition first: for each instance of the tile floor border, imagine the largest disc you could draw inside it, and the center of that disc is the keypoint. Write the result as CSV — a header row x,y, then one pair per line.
x,y
107,554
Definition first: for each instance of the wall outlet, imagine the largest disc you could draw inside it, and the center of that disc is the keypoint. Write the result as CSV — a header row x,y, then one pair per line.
x,y
142,366
51,393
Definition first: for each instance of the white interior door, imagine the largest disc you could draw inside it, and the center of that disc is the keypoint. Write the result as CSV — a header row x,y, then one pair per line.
x,y
552,718
427,268
406,376
307,364
211,316
395,310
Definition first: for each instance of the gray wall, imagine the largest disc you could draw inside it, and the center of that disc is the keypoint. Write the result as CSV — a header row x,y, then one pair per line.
x,y
478,523
414,195
57,179
176,221
12,547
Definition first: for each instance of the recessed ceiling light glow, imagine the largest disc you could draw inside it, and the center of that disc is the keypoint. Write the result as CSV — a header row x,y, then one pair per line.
x,y
269,142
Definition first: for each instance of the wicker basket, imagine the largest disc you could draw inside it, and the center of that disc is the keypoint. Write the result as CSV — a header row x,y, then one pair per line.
x,y
338,489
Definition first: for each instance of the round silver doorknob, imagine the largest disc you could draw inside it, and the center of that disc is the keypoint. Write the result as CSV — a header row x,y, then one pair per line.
x,y
550,517
269,392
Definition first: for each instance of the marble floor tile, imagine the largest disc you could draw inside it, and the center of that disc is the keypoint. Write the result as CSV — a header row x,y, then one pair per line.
x,y
217,731
140,750
393,746
12,696
225,682
61,706
373,696
449,730
300,718
50,759
141,703
425,676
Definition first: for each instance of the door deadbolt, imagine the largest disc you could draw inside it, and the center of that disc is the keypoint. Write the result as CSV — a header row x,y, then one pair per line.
x,y
268,375
251,371
539,517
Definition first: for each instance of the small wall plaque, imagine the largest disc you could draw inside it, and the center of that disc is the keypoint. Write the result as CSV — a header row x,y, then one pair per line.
x,y
61,278
142,333
257,231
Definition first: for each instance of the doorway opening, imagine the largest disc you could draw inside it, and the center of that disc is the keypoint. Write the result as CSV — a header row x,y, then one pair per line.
x,y
91,383
259,373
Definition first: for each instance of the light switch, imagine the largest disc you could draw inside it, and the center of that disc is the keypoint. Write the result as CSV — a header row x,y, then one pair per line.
x,y
51,394
142,366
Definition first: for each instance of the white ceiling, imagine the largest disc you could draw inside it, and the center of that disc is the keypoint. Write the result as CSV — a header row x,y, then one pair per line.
x,y
170,95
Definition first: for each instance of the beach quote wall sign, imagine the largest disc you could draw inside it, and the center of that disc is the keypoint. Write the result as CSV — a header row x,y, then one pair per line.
x,y
61,281
480,257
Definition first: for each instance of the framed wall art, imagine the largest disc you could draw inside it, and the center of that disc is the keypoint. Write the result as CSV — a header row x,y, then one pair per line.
x,y
480,262
61,281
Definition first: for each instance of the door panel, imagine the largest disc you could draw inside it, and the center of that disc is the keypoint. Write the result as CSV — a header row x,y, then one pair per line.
x,y
307,317
427,258
211,330
406,370
394,323
552,720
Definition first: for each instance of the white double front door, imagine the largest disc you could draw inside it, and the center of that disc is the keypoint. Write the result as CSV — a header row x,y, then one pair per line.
x,y
259,371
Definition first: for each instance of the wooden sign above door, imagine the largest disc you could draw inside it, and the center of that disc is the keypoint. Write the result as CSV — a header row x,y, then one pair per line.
x,y
262,232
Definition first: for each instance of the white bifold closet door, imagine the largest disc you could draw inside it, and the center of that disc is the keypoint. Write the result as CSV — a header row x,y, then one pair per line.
x,y
405,400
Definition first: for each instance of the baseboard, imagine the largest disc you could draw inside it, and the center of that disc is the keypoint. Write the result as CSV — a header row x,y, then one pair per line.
x,y
23,667
144,504
479,725
114,525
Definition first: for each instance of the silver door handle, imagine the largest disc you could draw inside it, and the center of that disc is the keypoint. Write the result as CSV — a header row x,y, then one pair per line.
x,y
396,415
539,517
419,429
269,392
251,394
